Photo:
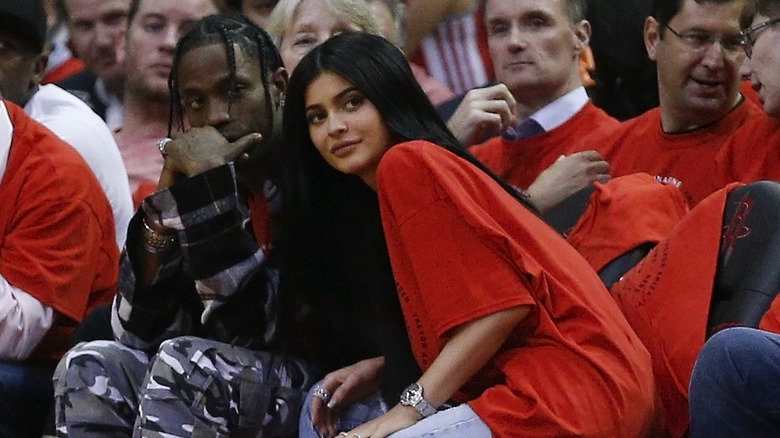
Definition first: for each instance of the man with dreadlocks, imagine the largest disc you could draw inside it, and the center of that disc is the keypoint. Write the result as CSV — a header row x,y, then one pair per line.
x,y
201,347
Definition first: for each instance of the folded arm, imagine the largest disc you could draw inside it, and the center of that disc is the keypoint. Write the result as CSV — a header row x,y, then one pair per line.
x,y
468,350
216,262
24,322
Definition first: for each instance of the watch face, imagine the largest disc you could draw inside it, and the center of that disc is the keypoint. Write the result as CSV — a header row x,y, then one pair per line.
x,y
412,395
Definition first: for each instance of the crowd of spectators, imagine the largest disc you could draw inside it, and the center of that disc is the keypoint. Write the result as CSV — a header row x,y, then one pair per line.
x,y
205,232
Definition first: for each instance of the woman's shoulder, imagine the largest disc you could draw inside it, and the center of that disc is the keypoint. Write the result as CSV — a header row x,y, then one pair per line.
x,y
412,151
412,161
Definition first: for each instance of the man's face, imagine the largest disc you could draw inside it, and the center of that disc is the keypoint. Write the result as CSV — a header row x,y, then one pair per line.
x,y
696,86
762,67
97,29
535,47
151,41
210,99
21,68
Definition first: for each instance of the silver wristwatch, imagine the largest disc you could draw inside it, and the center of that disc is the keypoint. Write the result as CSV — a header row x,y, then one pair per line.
x,y
413,396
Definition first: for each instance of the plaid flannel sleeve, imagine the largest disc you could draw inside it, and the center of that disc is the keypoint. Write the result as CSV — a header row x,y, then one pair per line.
x,y
218,264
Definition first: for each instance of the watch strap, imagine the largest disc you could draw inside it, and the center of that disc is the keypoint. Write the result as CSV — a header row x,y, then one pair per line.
x,y
414,397
424,408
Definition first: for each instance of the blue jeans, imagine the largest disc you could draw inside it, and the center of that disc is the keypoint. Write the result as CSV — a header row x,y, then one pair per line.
x,y
735,386
26,398
357,414
457,422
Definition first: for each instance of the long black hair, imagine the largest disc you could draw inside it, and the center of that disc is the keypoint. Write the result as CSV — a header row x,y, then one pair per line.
x,y
379,69
337,246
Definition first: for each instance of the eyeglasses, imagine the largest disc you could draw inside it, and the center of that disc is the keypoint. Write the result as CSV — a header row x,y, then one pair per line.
x,y
699,40
749,35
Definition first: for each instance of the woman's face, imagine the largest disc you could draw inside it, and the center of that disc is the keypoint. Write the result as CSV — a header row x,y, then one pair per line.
x,y
312,25
345,127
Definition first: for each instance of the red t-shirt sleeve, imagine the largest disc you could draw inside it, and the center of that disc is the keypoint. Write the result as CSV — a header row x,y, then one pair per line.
x,y
58,241
458,268
54,249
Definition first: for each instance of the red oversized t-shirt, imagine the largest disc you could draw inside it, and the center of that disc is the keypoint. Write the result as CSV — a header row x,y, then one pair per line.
x,y
462,248
666,298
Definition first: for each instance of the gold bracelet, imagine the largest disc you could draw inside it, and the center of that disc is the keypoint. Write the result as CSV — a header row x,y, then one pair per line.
x,y
156,242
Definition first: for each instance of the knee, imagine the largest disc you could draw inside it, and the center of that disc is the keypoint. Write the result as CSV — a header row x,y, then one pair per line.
x,y
183,356
736,346
177,345
189,359
84,362
99,368
723,344
730,355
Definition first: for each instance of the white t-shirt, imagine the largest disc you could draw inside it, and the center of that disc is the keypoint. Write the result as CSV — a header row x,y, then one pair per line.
x,y
74,122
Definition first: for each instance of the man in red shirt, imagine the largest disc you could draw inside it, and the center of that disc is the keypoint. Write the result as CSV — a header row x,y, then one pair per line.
x,y
536,48
152,31
696,45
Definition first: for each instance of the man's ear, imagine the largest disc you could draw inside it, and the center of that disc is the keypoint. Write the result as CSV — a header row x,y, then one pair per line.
x,y
39,69
652,34
279,80
69,45
582,32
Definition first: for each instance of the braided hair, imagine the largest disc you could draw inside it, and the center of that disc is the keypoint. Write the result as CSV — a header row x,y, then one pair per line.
x,y
229,30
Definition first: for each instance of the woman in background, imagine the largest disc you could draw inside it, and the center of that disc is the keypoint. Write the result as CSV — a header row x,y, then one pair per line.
x,y
298,26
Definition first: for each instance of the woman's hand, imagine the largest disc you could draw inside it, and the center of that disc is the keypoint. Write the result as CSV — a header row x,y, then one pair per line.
x,y
347,385
468,350
397,418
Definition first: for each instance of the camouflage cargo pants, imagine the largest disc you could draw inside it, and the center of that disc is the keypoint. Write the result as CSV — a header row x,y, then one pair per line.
x,y
191,387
